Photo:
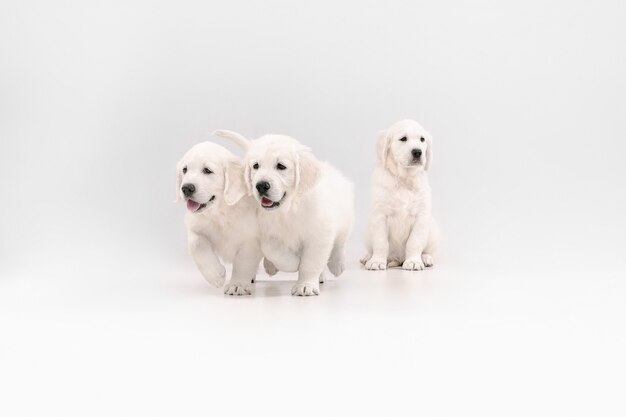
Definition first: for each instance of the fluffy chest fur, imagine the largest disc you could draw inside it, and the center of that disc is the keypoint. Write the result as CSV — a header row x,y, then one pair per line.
x,y
277,229
399,202
283,236
314,222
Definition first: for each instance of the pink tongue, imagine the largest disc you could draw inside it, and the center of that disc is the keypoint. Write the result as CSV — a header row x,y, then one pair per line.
x,y
192,205
266,202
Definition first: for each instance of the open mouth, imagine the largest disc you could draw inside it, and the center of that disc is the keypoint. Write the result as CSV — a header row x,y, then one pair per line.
x,y
195,207
268,204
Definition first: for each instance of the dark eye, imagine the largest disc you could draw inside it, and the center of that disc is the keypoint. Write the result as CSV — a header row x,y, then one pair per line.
x,y
422,139
403,139
184,170
207,171
255,166
280,167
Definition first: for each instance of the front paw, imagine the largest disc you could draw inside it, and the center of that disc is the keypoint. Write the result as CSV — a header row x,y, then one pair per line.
x,y
235,287
413,265
215,275
305,289
375,264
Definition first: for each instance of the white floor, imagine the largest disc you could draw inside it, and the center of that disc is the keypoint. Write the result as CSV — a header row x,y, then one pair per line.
x,y
448,341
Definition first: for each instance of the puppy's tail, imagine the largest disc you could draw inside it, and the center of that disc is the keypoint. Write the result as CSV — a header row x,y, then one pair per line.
x,y
238,138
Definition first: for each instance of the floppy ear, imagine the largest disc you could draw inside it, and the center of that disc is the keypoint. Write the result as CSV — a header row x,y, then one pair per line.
x,y
234,187
179,180
307,171
247,179
382,147
429,152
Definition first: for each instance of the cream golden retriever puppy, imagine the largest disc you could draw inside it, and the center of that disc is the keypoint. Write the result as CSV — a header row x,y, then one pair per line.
x,y
305,208
401,229
220,219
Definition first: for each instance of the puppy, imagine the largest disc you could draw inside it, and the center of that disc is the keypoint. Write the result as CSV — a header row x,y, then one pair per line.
x,y
401,229
305,208
220,219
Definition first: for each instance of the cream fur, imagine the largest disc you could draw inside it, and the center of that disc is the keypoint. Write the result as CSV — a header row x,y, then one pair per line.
x,y
226,230
308,230
401,229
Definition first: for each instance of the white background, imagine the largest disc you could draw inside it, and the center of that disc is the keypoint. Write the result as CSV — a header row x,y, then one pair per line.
x,y
103,313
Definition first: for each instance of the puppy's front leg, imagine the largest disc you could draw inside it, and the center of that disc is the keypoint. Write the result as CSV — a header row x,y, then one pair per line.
x,y
245,266
312,262
205,259
379,239
415,245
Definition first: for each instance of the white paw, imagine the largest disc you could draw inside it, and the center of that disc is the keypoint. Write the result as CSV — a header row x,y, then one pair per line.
x,y
365,258
428,260
305,289
238,288
413,265
269,267
215,276
322,277
376,264
336,267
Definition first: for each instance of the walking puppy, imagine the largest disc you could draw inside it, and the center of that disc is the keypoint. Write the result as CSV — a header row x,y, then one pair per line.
x,y
220,219
401,229
305,208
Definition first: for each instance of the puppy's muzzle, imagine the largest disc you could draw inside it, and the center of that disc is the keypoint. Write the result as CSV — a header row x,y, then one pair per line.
x,y
188,190
263,187
417,153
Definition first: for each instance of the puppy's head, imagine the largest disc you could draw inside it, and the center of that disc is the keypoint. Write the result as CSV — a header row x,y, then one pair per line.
x,y
207,175
405,145
278,170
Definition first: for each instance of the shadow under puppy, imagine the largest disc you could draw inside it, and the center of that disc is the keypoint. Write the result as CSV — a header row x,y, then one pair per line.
x,y
220,218
305,208
401,229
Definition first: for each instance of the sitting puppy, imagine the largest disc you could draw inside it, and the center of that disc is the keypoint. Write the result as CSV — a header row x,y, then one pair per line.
x,y
220,219
401,228
305,208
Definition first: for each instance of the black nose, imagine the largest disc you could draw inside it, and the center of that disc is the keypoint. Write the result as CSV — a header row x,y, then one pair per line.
x,y
416,153
262,187
188,189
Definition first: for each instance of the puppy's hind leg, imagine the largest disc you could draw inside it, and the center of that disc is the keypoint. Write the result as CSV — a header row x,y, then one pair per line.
x,y
379,243
428,256
269,267
337,260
